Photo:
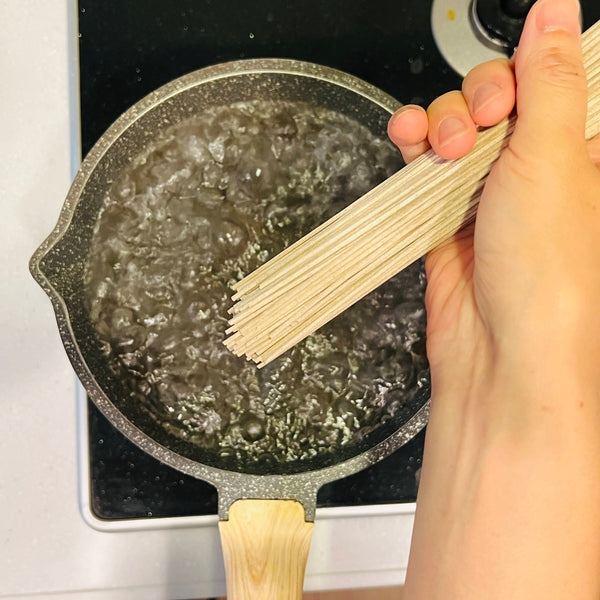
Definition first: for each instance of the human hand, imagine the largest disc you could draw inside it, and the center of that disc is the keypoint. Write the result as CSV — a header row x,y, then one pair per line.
x,y
531,191
514,336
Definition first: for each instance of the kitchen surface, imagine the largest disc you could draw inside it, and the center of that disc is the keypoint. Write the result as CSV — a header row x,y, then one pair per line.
x,y
84,513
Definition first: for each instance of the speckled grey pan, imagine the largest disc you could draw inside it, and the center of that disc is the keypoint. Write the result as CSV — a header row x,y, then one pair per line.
x,y
58,266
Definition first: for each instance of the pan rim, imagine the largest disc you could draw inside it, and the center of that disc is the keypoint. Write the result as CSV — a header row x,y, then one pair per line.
x,y
231,485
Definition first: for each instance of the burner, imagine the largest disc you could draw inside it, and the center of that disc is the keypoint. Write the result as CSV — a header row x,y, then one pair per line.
x,y
469,32
500,22
461,43
129,49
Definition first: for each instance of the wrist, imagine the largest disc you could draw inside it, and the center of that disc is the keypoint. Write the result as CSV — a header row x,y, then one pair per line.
x,y
508,463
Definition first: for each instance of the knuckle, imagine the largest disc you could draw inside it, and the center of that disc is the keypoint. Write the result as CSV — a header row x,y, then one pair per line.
x,y
497,68
444,101
516,163
560,68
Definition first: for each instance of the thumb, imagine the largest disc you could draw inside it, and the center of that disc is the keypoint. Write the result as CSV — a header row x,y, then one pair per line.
x,y
551,82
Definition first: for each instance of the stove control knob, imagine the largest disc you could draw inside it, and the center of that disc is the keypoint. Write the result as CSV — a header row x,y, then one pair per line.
x,y
517,9
498,23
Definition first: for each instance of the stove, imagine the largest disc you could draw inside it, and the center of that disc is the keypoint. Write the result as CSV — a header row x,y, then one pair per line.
x,y
414,50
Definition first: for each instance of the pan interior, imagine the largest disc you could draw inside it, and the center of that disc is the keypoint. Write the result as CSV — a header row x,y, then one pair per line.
x,y
343,391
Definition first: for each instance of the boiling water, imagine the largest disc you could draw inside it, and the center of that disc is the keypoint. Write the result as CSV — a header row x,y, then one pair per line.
x,y
207,203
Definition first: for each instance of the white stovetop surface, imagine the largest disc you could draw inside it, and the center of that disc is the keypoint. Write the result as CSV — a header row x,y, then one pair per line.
x,y
47,550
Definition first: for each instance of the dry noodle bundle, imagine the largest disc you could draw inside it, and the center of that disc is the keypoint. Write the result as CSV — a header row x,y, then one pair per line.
x,y
351,254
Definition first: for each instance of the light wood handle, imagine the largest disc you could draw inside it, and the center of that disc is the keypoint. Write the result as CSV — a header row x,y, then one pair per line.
x,y
345,258
265,547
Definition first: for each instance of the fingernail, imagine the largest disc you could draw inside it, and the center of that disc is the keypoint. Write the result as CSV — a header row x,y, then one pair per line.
x,y
485,94
401,112
558,15
450,129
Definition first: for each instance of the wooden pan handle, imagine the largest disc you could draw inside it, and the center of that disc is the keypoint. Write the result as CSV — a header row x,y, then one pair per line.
x,y
265,547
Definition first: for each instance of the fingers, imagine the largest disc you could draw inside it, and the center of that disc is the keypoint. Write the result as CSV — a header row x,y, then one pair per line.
x,y
551,83
408,130
551,95
489,90
449,125
452,131
446,126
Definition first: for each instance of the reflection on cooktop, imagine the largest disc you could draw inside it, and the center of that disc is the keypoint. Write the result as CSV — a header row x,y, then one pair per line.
x,y
127,483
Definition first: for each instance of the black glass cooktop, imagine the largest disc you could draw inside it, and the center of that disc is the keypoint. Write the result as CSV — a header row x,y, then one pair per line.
x,y
127,49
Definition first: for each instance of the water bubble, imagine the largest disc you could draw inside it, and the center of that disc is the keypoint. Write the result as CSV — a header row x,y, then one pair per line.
x,y
253,428
416,65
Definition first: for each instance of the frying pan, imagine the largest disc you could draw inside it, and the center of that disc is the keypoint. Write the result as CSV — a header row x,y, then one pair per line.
x,y
265,517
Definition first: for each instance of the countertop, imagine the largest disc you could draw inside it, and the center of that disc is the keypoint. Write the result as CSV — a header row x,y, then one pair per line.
x,y
48,550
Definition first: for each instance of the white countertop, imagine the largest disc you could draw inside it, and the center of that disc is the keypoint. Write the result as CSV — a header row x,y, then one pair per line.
x,y
47,550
